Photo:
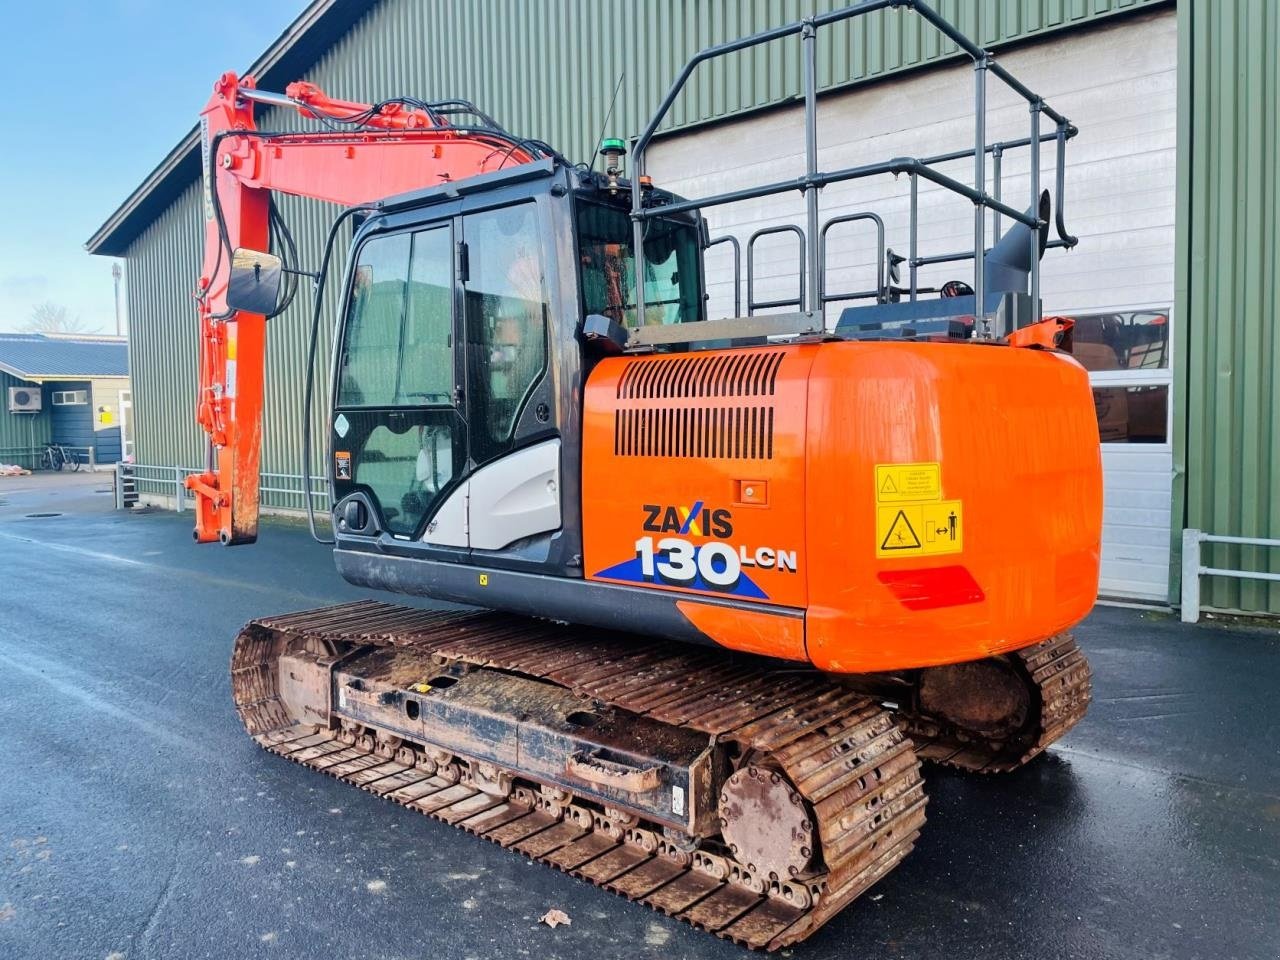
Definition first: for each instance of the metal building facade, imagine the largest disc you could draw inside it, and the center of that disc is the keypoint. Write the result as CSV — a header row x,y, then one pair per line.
x,y
1227,436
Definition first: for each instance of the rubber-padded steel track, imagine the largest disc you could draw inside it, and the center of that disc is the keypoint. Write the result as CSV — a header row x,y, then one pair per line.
x,y
1059,684
846,756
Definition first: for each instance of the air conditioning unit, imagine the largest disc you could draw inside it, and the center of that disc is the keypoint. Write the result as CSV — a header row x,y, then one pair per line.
x,y
24,399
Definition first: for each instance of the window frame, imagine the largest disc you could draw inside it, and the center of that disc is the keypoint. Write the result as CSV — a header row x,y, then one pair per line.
x,y
547,266
582,199
446,223
56,400
1136,377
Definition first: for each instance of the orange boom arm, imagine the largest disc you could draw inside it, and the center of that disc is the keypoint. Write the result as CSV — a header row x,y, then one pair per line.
x,y
389,149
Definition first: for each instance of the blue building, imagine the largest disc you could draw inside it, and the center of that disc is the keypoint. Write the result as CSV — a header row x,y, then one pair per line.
x,y
71,389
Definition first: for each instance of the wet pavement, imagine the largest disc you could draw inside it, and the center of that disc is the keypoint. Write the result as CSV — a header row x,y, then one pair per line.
x,y
137,820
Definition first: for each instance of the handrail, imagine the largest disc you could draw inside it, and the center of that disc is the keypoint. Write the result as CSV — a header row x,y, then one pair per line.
x,y
752,305
813,179
730,239
175,476
823,297
1193,569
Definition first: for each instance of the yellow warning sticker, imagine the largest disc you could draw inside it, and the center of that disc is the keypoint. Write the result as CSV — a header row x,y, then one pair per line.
x,y
920,529
908,482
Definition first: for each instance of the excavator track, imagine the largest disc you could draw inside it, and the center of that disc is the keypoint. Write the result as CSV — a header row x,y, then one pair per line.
x,y
1046,691
824,777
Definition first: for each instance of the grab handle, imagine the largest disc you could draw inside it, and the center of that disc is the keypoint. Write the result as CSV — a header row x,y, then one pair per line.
x,y
609,773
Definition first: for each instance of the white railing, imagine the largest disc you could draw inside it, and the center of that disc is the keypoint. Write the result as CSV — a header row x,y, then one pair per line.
x,y
31,457
85,456
171,482
1193,569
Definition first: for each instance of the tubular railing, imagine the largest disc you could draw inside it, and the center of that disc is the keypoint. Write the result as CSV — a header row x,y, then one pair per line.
x,y
730,239
30,457
752,303
823,296
171,481
814,179
85,456
1193,569
26,457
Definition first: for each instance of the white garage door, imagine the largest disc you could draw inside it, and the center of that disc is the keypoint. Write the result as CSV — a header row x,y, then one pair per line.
x,y
1118,84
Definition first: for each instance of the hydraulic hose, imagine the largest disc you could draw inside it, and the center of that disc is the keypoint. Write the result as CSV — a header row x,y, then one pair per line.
x,y
309,388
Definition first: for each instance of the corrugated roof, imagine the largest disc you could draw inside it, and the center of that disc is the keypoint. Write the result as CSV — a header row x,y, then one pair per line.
x,y
34,356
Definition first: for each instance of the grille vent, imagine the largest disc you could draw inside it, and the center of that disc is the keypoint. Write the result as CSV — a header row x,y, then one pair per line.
x,y
752,374
735,433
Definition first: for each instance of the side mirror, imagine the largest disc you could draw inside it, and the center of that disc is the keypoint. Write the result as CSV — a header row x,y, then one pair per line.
x,y
254,286
604,335
893,259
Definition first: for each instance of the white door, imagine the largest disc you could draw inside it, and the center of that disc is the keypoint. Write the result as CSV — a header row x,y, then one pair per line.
x,y
1127,355
126,426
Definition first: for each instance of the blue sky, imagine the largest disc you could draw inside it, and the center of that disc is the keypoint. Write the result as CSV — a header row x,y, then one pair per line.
x,y
96,94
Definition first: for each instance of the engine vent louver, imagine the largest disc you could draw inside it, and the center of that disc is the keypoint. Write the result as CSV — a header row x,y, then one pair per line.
x,y
726,425
716,374
735,433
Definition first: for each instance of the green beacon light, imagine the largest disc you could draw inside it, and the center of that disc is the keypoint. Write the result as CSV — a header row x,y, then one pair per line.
x,y
613,150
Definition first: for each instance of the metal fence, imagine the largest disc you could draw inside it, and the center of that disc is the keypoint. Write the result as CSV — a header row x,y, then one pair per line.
x,y
1193,569
283,491
30,457
26,457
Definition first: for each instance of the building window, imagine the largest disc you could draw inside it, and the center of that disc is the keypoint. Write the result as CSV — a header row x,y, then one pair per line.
x,y
1134,340
66,398
1132,414
1127,356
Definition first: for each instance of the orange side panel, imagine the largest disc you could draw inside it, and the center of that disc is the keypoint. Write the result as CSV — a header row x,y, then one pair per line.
x,y
1015,441
693,474
751,631
919,503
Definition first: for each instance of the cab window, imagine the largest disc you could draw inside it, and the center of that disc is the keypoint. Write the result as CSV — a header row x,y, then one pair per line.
x,y
672,291
398,348
506,321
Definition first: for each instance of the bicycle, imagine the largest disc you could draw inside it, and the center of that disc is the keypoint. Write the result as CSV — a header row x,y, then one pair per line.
x,y
57,457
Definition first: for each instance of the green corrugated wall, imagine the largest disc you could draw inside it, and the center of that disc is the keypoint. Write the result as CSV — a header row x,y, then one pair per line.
x,y
22,435
163,335
1227,413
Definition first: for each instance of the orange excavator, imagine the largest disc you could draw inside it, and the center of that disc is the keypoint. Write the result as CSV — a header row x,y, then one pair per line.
x,y
730,580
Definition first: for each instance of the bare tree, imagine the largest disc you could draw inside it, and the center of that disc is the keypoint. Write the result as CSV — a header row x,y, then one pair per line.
x,y
50,317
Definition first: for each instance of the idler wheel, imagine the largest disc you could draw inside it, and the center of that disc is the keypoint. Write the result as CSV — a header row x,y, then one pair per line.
x,y
766,823
987,697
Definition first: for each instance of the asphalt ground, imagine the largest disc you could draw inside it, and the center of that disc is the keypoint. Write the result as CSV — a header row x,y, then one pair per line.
x,y
137,820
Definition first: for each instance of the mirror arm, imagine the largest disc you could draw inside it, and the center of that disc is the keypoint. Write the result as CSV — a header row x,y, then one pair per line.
x,y
313,274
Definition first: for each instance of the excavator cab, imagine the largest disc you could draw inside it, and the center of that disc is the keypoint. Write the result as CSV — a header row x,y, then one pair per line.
x,y
460,357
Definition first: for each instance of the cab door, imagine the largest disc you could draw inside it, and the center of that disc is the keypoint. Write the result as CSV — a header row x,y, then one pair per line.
x,y
397,434
444,408
514,489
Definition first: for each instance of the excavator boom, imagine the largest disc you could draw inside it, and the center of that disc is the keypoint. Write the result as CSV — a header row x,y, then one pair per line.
x,y
379,150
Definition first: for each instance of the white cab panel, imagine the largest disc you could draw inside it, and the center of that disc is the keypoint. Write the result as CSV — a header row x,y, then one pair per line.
x,y
516,497
448,528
